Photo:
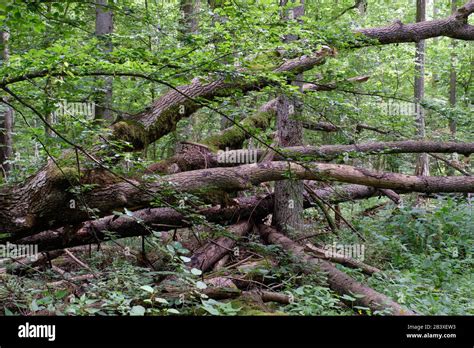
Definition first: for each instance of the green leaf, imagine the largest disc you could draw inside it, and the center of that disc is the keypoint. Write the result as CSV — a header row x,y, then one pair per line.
x,y
185,259
137,311
147,288
161,300
201,285
196,271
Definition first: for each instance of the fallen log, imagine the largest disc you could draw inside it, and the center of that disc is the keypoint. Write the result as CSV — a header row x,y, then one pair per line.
x,y
320,126
165,219
199,157
455,26
206,256
337,280
178,103
341,259
135,195
234,137
228,293
22,265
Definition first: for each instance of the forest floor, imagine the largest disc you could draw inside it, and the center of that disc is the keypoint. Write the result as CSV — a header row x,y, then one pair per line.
x,y
425,254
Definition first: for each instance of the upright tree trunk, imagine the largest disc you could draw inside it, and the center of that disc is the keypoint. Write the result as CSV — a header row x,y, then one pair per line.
x,y
189,20
362,7
288,210
189,24
6,118
422,166
103,28
435,41
452,78
452,90
47,103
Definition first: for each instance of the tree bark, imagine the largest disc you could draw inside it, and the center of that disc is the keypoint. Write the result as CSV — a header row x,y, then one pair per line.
x,y
103,28
189,20
342,259
422,164
199,157
6,118
452,78
320,126
288,208
205,257
452,89
455,26
234,137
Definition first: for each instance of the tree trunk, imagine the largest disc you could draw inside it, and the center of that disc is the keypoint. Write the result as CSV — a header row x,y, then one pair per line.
x,y
189,20
6,118
452,78
455,26
199,157
422,165
452,90
288,209
103,28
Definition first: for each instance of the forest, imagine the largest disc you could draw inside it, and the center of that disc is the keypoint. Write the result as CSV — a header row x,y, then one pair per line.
x,y
236,157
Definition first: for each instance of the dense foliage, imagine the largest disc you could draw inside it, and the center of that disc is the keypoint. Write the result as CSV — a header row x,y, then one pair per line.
x,y
424,245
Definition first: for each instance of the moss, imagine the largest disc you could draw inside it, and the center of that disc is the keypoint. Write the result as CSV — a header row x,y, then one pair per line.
x,y
64,174
249,307
233,137
131,131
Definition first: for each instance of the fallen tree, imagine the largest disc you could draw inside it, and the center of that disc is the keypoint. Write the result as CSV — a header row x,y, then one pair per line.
x,y
163,115
27,216
206,256
197,156
342,259
143,221
455,26
337,280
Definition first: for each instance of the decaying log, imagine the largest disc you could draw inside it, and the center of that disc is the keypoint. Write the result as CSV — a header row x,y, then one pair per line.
x,y
342,259
134,194
206,256
228,293
337,280
201,157
165,219
22,265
